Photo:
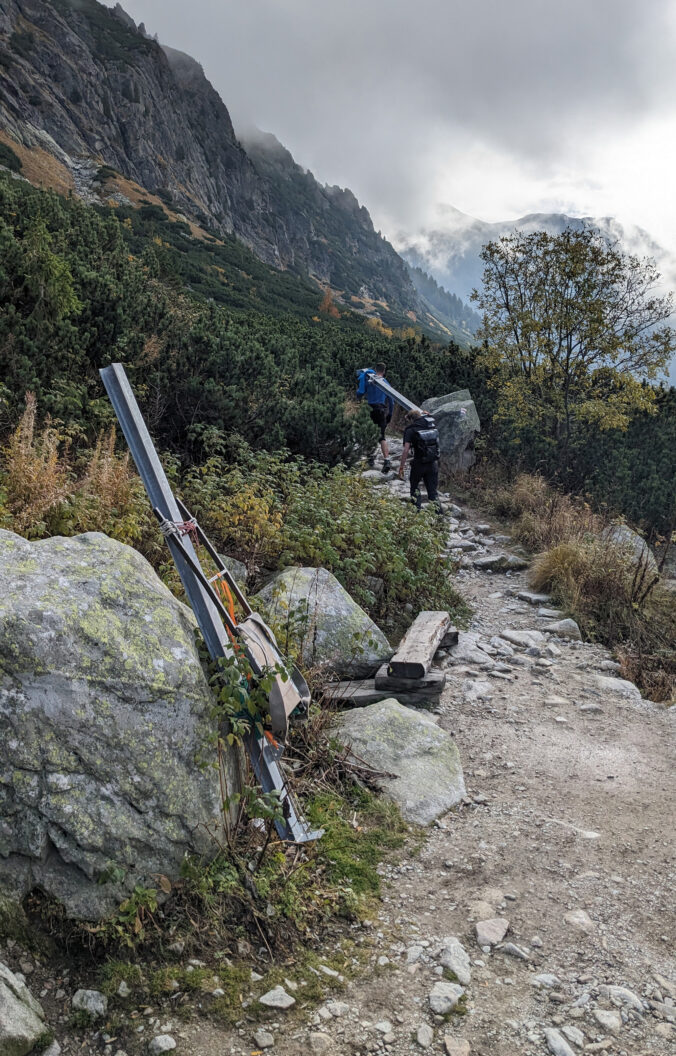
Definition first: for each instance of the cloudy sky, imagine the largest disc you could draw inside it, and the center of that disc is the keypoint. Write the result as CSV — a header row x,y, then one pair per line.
x,y
497,107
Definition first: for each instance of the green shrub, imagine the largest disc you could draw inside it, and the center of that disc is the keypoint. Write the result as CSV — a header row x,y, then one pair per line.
x,y
272,511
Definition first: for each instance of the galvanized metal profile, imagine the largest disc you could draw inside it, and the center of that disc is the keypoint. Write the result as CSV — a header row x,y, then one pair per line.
x,y
263,755
388,389
161,497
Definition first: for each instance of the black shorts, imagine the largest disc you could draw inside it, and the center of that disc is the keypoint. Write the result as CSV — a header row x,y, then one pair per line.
x,y
379,417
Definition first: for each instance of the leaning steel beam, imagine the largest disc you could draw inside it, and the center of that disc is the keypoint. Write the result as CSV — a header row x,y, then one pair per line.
x,y
388,389
264,755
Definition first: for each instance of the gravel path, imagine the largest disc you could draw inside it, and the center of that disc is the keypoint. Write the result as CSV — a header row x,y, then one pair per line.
x,y
567,836
548,894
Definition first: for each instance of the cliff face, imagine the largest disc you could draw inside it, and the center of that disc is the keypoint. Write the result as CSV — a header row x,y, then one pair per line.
x,y
84,83
326,231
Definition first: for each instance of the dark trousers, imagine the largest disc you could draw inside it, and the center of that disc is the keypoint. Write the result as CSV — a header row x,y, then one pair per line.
x,y
428,472
379,417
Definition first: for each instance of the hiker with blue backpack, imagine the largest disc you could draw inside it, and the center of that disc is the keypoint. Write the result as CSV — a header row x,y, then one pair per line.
x,y
381,407
421,434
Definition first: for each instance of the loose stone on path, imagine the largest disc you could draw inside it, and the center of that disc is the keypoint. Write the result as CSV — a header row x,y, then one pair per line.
x,y
455,958
557,1045
277,998
424,1035
491,932
444,997
456,1046
580,919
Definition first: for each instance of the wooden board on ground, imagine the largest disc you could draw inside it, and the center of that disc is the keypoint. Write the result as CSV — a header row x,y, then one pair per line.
x,y
358,694
450,638
433,682
416,650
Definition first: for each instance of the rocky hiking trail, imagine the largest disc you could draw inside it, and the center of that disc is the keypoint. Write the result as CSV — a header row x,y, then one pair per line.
x,y
538,916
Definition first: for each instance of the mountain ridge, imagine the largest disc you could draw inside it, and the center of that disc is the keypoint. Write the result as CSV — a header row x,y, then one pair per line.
x,y
85,84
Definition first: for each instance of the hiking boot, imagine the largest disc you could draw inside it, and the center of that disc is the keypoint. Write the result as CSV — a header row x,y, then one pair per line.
x,y
386,466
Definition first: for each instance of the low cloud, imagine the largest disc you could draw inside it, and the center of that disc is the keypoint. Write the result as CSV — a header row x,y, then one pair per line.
x,y
489,105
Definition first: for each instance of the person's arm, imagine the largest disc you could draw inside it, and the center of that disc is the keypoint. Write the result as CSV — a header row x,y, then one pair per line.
x,y
404,456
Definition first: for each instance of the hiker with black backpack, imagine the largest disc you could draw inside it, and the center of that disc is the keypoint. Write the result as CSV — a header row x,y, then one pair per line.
x,y
422,435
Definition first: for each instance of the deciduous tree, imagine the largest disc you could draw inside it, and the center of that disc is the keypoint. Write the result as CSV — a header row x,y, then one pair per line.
x,y
573,328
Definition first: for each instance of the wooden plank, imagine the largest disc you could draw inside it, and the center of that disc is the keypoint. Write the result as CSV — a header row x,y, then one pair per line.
x,y
433,682
360,693
450,638
416,650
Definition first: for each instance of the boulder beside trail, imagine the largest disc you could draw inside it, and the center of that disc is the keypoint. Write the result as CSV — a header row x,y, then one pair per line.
x,y
458,424
309,606
104,717
408,744
237,570
22,1020
633,546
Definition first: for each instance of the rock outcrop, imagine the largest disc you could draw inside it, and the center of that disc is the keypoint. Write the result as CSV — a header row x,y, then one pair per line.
x,y
104,719
428,777
633,546
22,1019
458,424
308,606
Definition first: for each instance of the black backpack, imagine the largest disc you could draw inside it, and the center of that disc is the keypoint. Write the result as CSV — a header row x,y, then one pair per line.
x,y
426,440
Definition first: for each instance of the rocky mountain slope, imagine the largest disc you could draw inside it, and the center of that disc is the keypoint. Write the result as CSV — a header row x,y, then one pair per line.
x,y
81,86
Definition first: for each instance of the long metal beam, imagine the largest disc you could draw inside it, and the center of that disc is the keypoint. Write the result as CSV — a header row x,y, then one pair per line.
x,y
388,389
264,756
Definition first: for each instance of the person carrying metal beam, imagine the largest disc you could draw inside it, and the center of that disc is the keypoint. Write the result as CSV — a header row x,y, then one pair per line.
x,y
381,406
422,435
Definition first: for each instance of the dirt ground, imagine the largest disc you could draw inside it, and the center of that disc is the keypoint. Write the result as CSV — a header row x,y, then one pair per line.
x,y
570,809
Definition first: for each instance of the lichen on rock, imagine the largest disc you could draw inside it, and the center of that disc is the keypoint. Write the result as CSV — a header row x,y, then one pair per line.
x,y
104,715
332,631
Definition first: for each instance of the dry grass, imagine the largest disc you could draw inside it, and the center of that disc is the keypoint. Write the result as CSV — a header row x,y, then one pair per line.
x,y
614,598
620,602
45,491
599,582
40,167
543,517
36,477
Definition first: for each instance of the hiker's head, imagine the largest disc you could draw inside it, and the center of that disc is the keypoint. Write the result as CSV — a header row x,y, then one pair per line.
x,y
413,414
380,368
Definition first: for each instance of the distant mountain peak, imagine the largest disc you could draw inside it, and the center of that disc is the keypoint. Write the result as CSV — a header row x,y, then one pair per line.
x,y
450,250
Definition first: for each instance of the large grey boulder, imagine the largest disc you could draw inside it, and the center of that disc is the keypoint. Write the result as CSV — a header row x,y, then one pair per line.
x,y
237,570
387,736
22,1020
458,424
104,718
633,546
309,606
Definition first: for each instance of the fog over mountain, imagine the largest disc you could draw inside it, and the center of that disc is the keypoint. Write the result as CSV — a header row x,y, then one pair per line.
x,y
499,108
450,250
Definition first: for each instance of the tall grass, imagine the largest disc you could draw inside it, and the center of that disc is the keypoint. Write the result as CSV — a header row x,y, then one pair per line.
x,y
35,479
45,489
615,597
